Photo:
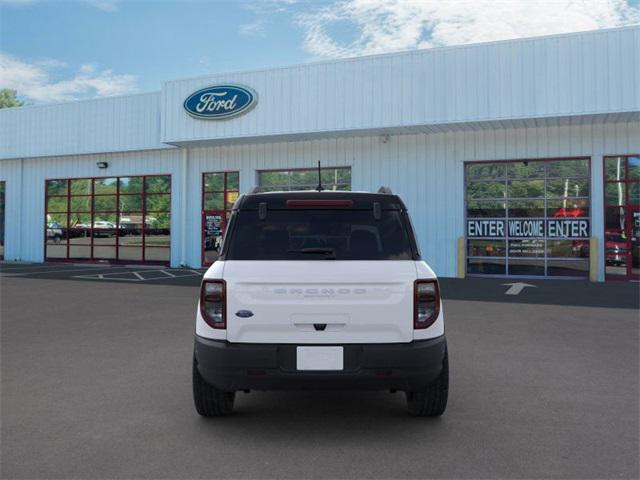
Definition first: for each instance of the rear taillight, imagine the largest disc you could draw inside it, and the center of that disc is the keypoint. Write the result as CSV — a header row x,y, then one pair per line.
x,y
213,299
426,305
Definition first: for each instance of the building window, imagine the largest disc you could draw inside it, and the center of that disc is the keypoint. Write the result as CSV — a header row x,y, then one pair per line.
x,y
2,187
116,219
528,218
333,178
219,192
622,217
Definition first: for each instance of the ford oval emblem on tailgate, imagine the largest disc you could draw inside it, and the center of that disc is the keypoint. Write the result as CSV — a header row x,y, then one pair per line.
x,y
244,313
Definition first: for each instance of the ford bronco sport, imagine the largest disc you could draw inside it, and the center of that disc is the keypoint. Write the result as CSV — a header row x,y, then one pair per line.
x,y
320,289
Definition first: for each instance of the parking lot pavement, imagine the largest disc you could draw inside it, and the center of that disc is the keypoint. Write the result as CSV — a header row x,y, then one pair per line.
x,y
96,384
104,273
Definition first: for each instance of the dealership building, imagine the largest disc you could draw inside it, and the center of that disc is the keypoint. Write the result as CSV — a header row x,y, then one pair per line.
x,y
517,158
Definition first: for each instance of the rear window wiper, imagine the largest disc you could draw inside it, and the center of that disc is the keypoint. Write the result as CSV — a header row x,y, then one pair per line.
x,y
330,253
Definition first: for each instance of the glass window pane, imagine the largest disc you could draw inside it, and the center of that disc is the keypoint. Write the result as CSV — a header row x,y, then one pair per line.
x,y
158,203
485,189
158,220
130,185
104,252
526,267
158,184
614,168
104,221
105,186
568,188
57,220
58,250
214,201
57,204
152,254
80,236
56,187
486,248
233,181
568,168
269,179
485,171
568,248
80,252
133,254
575,207
105,203
614,218
525,188
130,203
56,233
131,221
80,220
486,266
485,209
634,193
565,268
526,248
615,193
231,199
81,186
526,169
526,208
634,168
103,236
157,238
213,182
81,204
129,237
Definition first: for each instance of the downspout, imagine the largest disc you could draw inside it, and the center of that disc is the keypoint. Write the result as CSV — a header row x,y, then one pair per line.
x,y
183,207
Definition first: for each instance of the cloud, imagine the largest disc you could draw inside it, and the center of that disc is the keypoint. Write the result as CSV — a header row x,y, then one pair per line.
x,y
391,25
252,28
34,80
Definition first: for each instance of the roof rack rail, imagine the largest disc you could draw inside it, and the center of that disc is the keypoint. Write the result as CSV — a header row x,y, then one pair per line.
x,y
385,190
255,189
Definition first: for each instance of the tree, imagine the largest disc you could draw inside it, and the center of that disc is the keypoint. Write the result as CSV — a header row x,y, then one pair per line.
x,y
8,98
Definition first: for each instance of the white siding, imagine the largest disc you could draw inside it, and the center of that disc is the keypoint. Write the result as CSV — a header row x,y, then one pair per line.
x,y
425,169
593,73
112,124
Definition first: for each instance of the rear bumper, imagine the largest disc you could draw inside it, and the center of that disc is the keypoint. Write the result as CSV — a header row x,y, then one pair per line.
x,y
396,366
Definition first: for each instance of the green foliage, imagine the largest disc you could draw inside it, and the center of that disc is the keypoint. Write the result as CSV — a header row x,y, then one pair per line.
x,y
8,98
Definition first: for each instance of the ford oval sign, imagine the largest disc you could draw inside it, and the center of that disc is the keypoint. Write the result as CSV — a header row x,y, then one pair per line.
x,y
220,102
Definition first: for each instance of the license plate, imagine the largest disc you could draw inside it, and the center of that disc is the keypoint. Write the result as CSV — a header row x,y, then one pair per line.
x,y
320,358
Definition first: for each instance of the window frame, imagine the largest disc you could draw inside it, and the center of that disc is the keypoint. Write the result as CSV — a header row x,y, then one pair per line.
x,y
506,199
225,210
304,169
117,213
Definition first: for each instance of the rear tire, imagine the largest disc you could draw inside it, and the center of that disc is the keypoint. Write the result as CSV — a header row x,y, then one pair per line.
x,y
209,401
432,401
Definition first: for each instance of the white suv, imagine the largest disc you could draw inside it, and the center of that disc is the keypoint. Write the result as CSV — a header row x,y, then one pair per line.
x,y
316,290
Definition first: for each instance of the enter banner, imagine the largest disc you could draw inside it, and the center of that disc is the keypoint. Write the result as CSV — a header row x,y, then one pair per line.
x,y
528,228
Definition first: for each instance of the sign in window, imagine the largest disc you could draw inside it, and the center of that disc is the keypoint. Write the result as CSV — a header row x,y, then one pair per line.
x,y
528,218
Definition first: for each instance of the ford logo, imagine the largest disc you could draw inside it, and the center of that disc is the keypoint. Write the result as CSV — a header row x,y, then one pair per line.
x,y
220,102
244,313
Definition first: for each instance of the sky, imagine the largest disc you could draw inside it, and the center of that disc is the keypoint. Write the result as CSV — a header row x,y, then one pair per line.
x,y
54,50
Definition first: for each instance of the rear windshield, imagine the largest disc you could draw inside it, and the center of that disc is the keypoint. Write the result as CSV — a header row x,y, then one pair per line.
x,y
318,235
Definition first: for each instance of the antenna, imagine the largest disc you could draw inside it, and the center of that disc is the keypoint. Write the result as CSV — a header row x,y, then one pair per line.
x,y
319,187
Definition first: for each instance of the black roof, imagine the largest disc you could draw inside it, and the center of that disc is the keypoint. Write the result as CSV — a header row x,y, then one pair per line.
x,y
278,200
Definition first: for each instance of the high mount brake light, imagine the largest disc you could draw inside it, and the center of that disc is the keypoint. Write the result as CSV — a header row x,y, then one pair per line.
x,y
426,305
213,300
319,203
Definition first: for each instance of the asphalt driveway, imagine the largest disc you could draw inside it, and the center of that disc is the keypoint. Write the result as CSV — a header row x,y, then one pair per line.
x,y
96,384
